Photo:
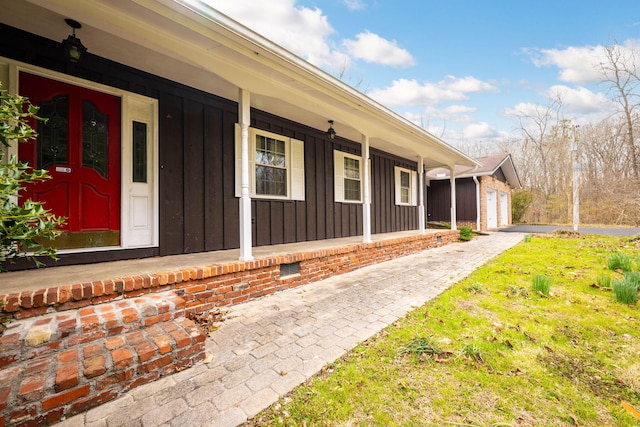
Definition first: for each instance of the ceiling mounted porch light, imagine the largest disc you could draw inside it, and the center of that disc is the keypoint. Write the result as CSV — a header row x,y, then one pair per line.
x,y
73,48
331,133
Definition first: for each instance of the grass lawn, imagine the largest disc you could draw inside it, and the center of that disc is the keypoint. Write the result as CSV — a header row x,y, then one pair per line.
x,y
491,351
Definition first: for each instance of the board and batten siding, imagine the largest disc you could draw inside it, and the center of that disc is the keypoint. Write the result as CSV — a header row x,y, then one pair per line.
x,y
439,203
198,210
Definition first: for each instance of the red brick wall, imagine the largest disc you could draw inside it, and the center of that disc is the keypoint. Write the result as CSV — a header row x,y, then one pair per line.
x,y
224,284
490,182
61,364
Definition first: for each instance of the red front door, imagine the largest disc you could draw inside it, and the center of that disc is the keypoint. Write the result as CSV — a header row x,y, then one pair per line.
x,y
80,147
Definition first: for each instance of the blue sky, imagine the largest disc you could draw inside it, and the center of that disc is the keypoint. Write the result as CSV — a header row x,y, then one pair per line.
x,y
460,68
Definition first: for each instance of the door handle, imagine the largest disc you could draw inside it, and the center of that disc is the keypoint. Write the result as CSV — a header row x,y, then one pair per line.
x,y
63,169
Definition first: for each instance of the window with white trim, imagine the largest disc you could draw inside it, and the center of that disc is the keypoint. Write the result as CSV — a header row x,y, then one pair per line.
x,y
348,173
271,166
406,183
276,165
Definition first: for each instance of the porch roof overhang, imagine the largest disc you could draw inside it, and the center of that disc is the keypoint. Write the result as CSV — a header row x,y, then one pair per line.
x,y
189,42
488,166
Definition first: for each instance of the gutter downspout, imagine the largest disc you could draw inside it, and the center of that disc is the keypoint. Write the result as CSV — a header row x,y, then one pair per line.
x,y
475,179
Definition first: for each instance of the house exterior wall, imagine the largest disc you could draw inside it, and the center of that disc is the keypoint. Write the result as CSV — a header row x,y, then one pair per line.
x,y
500,187
439,201
198,210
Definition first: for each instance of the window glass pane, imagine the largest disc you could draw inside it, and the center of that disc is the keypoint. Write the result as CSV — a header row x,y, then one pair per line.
x,y
139,152
404,195
53,140
351,189
352,168
351,179
94,138
271,162
404,179
271,181
404,187
270,151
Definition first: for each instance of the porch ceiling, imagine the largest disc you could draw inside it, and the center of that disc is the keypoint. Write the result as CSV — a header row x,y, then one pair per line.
x,y
187,41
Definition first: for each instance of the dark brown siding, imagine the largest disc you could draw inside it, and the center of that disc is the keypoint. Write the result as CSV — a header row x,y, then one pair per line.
x,y
386,216
198,207
439,200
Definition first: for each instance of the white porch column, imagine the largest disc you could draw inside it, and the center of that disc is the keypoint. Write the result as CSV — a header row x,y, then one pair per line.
x,y
475,179
366,207
244,119
452,179
421,214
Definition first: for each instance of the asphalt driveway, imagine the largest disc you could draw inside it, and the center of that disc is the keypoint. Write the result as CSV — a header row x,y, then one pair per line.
x,y
609,231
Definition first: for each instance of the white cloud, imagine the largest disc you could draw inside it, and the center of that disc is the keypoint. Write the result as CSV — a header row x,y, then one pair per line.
x,y
468,84
576,64
581,101
355,4
582,64
523,109
480,130
579,104
372,48
459,109
304,31
410,92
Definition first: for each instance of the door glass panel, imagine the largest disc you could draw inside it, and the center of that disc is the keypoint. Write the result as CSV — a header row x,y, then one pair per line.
x,y
95,142
53,139
139,152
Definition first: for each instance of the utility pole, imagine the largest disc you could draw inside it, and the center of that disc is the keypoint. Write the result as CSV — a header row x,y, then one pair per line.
x,y
575,178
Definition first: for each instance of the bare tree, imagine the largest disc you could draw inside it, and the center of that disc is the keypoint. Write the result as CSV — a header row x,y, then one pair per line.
x,y
620,75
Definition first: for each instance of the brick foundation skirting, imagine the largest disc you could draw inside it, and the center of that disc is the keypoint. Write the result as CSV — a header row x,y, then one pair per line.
x,y
73,347
204,288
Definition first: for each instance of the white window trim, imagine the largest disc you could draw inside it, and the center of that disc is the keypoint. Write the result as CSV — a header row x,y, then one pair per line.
x,y
294,153
413,186
338,176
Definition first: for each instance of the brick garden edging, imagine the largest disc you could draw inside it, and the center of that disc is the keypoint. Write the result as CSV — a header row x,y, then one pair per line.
x,y
77,346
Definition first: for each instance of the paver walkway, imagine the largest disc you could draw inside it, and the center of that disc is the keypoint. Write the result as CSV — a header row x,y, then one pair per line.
x,y
269,346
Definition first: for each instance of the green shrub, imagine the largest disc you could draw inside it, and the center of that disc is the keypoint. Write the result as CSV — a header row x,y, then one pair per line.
x,y
603,280
520,203
471,351
517,291
632,278
625,292
619,261
422,346
541,284
22,227
466,233
475,288
528,238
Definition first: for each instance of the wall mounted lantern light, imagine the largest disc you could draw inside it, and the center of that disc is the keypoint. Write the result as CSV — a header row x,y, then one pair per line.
x,y
73,48
331,133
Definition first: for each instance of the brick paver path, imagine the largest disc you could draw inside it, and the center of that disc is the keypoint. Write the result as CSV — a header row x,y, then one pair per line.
x,y
269,346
